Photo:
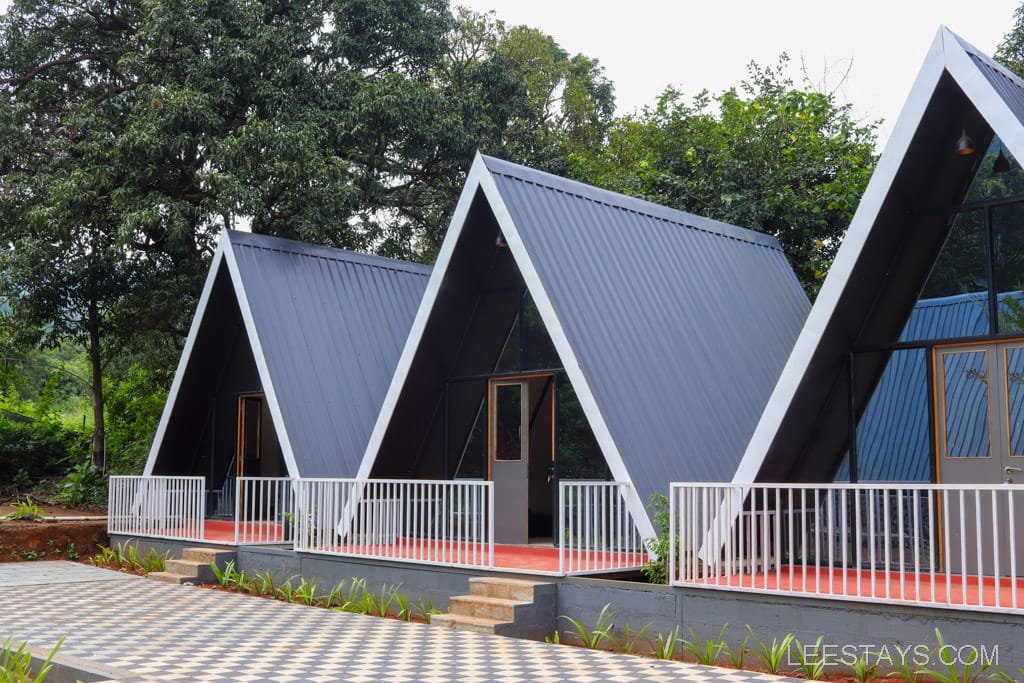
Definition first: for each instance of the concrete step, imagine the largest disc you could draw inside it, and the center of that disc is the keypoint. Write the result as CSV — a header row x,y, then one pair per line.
x,y
207,555
198,572
485,606
465,622
169,577
510,589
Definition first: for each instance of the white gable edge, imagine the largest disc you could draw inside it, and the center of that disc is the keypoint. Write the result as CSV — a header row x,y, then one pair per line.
x,y
186,354
846,259
553,325
419,323
261,364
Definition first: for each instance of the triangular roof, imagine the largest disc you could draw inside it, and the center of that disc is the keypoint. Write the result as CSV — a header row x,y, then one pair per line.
x,y
884,260
325,327
672,328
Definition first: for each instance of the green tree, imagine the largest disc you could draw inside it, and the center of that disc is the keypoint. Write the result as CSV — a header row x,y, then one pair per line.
x,y
1011,51
770,156
131,132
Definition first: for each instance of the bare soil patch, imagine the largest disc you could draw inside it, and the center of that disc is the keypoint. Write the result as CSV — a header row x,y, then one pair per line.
x,y
60,540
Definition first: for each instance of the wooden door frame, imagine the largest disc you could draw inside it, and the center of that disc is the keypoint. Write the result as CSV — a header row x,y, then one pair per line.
x,y
240,429
523,379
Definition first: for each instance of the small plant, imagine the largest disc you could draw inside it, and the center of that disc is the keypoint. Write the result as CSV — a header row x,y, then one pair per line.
x,y
16,665
224,577
667,644
863,671
306,592
27,510
656,568
286,591
425,607
553,639
150,562
402,601
71,551
950,674
706,652
84,485
811,663
904,671
241,582
592,638
1004,677
631,637
336,596
738,656
107,557
353,601
380,605
774,654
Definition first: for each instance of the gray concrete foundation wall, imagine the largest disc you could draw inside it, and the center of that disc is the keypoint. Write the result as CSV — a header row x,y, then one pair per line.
x,y
860,625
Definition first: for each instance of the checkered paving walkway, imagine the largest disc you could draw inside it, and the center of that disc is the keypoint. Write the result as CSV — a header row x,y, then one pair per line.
x,y
164,632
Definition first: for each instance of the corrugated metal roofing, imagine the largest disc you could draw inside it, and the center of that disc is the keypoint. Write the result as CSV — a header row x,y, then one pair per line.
x,y
331,324
1009,86
681,324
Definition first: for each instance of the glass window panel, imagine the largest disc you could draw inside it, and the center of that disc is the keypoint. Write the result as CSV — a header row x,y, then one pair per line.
x,y
991,184
472,459
579,456
953,303
960,268
893,437
1008,245
965,382
538,350
509,360
1015,398
508,420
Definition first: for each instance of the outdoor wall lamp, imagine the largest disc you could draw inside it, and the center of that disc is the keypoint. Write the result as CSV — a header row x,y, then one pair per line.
x,y
965,145
1001,164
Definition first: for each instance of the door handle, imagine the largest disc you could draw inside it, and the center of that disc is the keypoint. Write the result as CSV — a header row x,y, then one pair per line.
x,y
1008,470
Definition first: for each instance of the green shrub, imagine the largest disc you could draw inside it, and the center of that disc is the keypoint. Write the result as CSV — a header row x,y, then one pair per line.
x,y
83,485
133,408
32,450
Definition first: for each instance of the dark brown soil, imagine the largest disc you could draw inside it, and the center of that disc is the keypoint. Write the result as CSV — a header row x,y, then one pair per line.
x,y
60,540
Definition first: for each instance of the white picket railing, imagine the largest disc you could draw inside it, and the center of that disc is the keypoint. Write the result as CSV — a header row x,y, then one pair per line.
x,y
436,522
596,532
264,510
955,546
161,507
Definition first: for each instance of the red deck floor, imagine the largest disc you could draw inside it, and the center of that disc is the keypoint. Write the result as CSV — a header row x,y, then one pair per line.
x,y
877,584
525,558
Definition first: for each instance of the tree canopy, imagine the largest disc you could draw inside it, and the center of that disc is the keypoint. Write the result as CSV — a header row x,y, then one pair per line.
x,y
785,160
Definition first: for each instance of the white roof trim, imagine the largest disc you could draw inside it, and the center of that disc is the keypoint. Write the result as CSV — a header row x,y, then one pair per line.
x,y
186,354
224,256
945,55
261,364
480,179
419,323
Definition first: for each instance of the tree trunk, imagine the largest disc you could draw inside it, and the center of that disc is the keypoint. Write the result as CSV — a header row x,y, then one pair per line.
x,y
98,432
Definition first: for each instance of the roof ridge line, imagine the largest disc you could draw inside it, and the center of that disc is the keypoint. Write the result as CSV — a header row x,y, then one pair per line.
x,y
323,251
650,214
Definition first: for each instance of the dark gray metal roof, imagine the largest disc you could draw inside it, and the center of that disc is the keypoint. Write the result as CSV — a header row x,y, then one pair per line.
x,y
680,324
331,325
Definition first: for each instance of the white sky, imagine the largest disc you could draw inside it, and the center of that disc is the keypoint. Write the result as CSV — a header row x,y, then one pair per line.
x,y
646,45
